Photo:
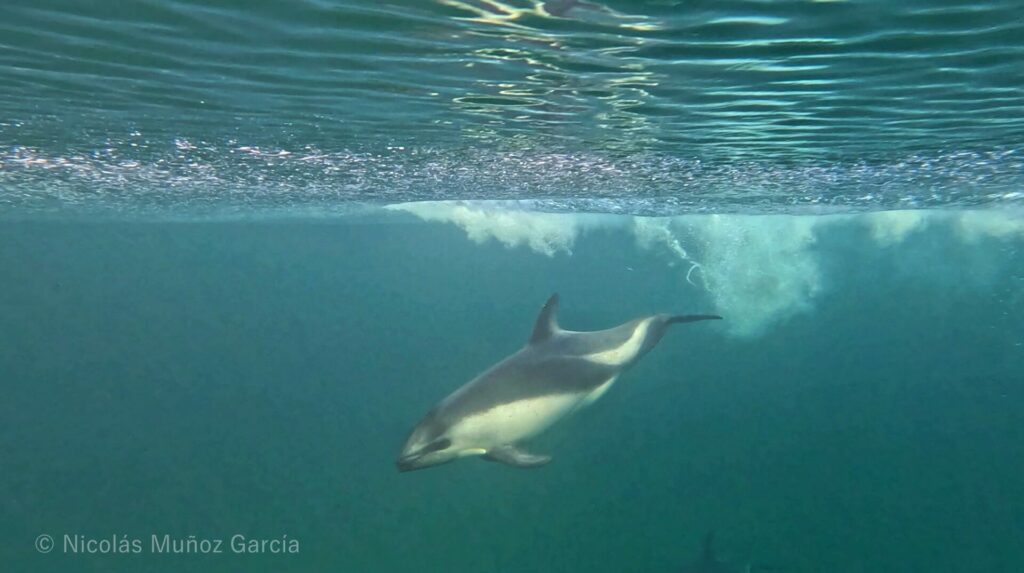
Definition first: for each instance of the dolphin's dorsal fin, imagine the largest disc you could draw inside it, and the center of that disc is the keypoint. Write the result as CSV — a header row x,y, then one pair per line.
x,y
547,321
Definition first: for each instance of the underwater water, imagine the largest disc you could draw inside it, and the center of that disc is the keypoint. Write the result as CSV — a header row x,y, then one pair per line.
x,y
245,247
857,410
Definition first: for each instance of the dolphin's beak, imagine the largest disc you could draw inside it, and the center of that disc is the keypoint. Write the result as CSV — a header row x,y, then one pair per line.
x,y
407,463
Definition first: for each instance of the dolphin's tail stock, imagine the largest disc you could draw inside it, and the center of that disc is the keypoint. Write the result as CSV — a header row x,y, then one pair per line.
x,y
660,324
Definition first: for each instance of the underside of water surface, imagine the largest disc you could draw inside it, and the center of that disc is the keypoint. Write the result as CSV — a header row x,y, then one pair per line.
x,y
172,109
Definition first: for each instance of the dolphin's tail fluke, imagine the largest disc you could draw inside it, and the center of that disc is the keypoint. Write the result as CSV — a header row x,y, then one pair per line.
x,y
691,318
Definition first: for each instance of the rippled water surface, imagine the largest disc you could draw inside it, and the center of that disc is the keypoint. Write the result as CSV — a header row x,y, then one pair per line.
x,y
660,106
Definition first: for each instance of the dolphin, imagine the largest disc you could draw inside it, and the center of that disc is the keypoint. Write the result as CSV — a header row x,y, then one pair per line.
x,y
557,372
709,563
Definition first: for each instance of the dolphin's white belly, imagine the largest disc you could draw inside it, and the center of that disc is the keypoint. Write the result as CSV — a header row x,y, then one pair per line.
x,y
511,422
519,420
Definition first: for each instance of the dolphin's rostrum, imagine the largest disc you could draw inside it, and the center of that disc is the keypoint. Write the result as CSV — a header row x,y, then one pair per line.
x,y
555,373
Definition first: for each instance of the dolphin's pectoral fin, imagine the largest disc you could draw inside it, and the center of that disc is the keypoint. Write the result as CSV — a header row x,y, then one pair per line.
x,y
513,456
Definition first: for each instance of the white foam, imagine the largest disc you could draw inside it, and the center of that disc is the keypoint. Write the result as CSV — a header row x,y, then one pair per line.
x,y
892,227
759,270
653,232
973,226
545,233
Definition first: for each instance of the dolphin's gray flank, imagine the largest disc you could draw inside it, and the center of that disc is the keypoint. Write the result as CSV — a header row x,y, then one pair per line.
x,y
556,372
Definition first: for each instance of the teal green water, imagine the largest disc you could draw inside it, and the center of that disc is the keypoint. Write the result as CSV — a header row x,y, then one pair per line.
x,y
245,246
213,379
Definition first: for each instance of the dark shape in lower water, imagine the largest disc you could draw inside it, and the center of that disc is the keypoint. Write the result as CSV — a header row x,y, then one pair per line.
x,y
709,563
557,372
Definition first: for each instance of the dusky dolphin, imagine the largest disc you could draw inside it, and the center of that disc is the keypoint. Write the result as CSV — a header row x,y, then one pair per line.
x,y
556,372
709,563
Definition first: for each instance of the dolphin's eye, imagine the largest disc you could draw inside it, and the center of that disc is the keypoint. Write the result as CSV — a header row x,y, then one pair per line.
x,y
437,445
